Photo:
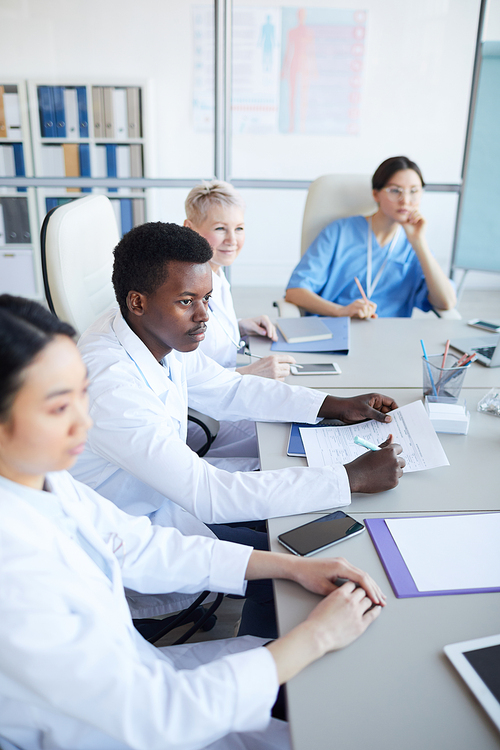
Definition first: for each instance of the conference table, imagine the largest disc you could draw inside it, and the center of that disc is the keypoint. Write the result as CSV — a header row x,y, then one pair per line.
x,y
394,687
386,353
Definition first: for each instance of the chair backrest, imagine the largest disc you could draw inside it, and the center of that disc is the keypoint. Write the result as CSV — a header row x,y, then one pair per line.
x,y
331,197
77,243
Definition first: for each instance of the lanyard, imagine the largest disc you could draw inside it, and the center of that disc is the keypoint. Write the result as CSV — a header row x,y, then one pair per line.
x,y
239,345
370,288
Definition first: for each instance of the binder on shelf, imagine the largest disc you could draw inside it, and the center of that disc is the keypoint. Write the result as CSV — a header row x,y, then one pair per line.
x,y
16,220
134,112
12,112
83,115
7,161
100,168
46,110
138,216
98,107
2,227
120,114
72,114
53,161
115,204
19,163
126,215
109,128
54,202
3,124
111,164
84,153
71,163
60,115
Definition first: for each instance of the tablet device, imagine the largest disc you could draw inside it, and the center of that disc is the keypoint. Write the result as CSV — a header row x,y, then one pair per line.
x,y
478,662
295,445
328,368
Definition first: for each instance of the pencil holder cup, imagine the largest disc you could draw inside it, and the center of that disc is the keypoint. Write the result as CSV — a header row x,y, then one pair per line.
x,y
443,382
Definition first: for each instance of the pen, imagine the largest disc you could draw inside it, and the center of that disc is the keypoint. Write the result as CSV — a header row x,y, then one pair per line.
x,y
256,356
358,284
366,444
428,367
444,360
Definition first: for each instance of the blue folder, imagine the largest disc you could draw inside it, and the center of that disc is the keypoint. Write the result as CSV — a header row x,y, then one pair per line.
x,y
126,214
84,153
111,164
339,343
19,163
46,109
83,116
59,111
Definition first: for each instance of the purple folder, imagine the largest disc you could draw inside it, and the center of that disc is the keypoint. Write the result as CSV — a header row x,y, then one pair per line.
x,y
398,574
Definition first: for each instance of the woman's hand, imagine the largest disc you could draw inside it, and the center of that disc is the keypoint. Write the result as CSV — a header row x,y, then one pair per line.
x,y
261,325
414,226
320,575
275,367
358,309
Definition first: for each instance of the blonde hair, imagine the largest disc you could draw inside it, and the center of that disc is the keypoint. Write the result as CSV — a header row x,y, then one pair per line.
x,y
202,197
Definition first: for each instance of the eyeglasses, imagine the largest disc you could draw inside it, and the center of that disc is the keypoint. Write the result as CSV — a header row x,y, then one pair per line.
x,y
396,193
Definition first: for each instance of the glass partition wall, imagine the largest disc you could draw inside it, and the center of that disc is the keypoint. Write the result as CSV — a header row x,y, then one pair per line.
x,y
140,102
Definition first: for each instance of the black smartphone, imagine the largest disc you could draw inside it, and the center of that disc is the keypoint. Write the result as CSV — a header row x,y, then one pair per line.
x,y
321,533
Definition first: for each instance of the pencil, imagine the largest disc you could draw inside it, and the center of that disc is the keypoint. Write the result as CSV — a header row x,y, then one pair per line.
x,y
445,354
358,284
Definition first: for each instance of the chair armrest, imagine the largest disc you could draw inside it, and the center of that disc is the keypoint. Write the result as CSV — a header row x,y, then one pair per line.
x,y
286,309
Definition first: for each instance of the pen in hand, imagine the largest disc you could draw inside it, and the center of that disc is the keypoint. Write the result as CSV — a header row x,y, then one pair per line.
x,y
366,444
257,356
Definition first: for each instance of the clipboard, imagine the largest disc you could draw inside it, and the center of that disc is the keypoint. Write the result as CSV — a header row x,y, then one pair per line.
x,y
399,576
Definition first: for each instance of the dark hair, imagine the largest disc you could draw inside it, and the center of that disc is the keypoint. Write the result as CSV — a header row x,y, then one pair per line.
x,y
143,254
389,167
25,329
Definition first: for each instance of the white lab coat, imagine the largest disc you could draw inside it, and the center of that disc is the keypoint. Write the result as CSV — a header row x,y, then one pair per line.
x,y
136,453
223,333
75,674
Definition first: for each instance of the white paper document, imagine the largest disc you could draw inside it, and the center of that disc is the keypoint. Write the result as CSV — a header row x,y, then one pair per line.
x,y
410,427
449,553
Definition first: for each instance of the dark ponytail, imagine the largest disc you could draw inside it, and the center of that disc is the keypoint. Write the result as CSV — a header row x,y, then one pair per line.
x,y
25,329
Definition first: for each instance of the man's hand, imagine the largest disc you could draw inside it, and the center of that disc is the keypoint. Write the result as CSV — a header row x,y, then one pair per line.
x,y
358,408
376,471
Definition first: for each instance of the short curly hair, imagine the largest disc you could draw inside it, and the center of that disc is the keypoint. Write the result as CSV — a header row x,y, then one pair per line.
x,y
143,254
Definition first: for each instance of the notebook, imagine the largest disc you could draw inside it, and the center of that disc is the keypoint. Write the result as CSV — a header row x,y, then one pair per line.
x,y
338,343
302,330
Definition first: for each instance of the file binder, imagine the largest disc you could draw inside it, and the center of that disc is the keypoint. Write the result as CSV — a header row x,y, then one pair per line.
x,y
12,112
3,124
16,220
138,217
84,153
60,116
19,163
120,114
46,110
71,163
109,127
111,164
126,215
83,115
134,112
98,107
71,110
7,161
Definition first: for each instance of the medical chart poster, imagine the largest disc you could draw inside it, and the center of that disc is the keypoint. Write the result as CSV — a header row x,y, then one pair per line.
x,y
294,70
321,70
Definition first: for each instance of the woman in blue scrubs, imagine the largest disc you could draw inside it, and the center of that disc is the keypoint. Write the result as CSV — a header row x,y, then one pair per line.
x,y
387,252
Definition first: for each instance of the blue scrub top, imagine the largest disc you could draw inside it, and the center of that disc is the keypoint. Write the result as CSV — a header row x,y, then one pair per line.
x,y
338,254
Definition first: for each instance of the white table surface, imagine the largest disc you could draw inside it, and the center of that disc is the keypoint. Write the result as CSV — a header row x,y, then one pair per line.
x,y
386,353
471,482
393,688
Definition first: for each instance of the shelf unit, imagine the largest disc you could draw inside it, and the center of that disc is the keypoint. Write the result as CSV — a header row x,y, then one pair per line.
x,y
68,120
20,271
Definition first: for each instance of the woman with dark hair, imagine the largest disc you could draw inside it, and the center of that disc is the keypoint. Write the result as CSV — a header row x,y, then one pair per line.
x,y
74,673
387,252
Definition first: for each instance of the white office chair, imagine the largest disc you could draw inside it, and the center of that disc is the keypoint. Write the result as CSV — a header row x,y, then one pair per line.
x,y
77,242
332,197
